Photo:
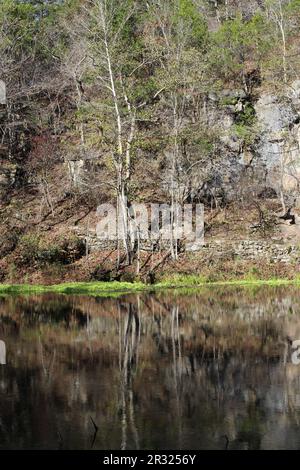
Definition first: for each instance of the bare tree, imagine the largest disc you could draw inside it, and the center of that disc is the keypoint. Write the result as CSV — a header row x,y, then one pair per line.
x,y
182,78
117,72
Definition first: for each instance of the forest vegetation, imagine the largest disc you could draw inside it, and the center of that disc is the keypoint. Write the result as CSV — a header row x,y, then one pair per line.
x,y
152,101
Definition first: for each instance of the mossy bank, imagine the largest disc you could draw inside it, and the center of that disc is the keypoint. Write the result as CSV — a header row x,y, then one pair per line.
x,y
110,288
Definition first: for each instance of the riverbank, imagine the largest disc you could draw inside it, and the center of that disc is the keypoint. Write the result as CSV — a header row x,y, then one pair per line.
x,y
115,287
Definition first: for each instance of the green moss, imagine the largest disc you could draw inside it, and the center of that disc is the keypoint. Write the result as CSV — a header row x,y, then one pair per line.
x,y
90,288
108,289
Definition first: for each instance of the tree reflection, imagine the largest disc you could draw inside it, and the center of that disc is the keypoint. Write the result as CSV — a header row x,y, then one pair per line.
x,y
164,370
129,334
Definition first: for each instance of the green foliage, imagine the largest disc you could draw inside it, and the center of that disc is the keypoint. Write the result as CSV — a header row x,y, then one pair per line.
x,y
229,101
247,116
293,12
236,43
197,141
36,27
18,20
124,20
197,24
245,125
115,288
246,134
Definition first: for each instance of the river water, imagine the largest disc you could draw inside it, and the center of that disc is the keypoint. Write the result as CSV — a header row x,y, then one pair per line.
x,y
206,369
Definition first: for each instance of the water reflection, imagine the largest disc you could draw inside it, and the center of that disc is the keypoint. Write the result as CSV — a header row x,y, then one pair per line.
x,y
168,370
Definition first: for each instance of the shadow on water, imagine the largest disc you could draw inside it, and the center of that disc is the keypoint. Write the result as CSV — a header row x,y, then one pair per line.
x,y
204,370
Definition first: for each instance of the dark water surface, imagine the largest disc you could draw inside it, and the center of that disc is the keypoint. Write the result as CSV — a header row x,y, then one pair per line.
x,y
153,371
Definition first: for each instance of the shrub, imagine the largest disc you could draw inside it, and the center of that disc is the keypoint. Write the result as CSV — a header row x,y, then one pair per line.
x,y
9,241
32,250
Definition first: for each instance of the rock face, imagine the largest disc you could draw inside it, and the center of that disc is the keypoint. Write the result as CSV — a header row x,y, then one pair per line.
x,y
273,115
272,160
278,145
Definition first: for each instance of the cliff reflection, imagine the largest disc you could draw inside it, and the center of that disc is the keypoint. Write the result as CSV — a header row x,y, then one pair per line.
x,y
168,370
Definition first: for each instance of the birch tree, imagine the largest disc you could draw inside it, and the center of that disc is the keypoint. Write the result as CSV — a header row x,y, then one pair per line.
x,y
119,68
276,13
283,17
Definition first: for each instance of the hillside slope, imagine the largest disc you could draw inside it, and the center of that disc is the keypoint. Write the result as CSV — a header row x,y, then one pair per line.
x,y
137,101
